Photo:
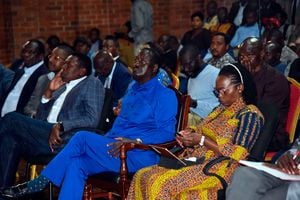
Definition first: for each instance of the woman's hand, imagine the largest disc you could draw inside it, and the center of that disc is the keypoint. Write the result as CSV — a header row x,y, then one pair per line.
x,y
188,138
115,146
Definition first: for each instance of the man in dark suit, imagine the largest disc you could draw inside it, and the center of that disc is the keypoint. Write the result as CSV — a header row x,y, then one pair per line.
x,y
6,77
111,45
25,78
236,13
115,78
73,99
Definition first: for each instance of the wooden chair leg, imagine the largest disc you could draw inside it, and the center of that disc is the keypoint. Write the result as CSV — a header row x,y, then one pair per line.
x,y
50,191
87,194
33,172
27,174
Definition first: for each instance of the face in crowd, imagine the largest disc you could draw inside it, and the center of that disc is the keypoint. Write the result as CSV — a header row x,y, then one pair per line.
x,y
103,63
145,67
227,91
32,52
111,46
251,54
218,46
191,63
72,69
56,59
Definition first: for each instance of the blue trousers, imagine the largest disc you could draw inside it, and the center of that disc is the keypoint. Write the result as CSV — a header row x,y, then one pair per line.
x,y
87,154
20,136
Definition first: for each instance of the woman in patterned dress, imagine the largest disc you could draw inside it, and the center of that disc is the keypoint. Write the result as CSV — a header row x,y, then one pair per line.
x,y
231,130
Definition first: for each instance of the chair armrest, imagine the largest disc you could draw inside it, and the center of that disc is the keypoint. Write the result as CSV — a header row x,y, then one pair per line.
x,y
132,145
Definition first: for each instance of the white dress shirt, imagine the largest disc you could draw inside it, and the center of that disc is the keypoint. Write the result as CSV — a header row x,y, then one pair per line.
x,y
108,79
52,117
239,17
13,97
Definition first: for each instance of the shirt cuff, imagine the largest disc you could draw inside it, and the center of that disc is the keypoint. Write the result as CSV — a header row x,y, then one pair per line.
x,y
44,100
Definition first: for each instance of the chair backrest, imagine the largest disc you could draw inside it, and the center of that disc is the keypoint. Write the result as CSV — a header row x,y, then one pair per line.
x,y
271,116
175,81
294,109
184,102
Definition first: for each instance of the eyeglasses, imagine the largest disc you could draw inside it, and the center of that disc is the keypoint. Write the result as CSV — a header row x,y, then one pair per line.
x,y
223,90
56,57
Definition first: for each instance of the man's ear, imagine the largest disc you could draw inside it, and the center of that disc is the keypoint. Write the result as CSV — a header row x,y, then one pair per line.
x,y
155,69
199,59
240,88
82,71
227,47
262,54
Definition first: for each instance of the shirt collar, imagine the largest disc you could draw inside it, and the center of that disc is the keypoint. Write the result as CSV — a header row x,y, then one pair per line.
x,y
148,84
32,68
115,58
74,82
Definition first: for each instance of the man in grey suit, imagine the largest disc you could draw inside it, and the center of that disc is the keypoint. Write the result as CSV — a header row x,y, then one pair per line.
x,y
249,183
73,99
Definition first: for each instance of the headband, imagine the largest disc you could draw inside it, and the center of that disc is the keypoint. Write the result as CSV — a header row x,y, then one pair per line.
x,y
235,67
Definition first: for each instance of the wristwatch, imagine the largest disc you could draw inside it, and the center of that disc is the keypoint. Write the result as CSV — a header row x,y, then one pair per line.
x,y
138,140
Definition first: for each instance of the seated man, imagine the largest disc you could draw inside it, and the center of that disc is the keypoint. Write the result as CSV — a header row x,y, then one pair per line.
x,y
6,77
56,60
248,183
249,29
272,56
272,87
111,45
148,116
201,83
219,50
115,78
73,99
169,55
25,78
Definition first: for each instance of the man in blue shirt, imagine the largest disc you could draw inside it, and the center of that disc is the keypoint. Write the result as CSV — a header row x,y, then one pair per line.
x,y
148,116
249,29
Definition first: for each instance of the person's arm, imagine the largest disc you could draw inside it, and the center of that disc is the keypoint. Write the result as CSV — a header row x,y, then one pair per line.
x,y
243,139
34,102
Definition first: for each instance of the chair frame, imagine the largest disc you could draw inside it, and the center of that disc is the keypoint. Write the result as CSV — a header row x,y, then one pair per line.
x,y
291,127
120,189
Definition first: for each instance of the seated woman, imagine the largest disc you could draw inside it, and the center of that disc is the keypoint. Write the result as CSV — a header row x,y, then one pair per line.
x,y
230,130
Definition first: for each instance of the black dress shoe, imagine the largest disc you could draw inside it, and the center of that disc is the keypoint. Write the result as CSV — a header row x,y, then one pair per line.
x,y
13,192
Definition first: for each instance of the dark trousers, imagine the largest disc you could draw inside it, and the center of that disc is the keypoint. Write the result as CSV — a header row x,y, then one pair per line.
x,y
20,136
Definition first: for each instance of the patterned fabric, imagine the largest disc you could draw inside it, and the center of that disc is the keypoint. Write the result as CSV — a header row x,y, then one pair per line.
x,y
221,62
234,129
223,28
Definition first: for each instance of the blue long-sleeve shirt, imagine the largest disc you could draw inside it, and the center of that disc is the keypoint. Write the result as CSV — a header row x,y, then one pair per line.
x,y
244,32
148,112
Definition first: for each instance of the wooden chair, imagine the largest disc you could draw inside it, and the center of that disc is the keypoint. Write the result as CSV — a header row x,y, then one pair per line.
x,y
293,114
117,184
175,81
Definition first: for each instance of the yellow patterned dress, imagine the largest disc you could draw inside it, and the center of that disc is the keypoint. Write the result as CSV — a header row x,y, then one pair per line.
x,y
235,130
